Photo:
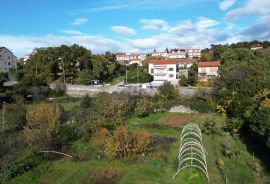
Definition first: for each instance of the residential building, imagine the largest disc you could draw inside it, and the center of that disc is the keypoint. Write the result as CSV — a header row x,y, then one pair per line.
x,y
184,65
164,70
177,55
256,46
207,70
7,60
193,53
128,57
159,54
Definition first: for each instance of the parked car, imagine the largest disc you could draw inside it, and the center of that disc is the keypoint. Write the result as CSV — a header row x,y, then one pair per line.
x,y
124,86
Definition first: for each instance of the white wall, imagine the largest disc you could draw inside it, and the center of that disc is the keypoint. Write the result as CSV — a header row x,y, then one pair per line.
x,y
7,60
162,72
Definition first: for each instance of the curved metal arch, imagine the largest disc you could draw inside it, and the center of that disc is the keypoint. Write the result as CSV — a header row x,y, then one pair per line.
x,y
191,151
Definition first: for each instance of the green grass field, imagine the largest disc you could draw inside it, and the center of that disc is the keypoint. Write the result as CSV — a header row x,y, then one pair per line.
x,y
153,168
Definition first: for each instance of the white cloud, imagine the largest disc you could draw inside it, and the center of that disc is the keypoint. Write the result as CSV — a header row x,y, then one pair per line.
x,y
79,21
226,4
200,33
123,30
250,8
22,45
154,24
204,23
73,32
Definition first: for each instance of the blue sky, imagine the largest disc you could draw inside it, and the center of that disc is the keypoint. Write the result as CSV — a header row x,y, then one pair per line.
x,y
131,26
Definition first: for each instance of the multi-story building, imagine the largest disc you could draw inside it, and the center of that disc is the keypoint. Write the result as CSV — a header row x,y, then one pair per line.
x,y
164,70
256,46
177,55
193,53
7,60
207,70
128,57
159,54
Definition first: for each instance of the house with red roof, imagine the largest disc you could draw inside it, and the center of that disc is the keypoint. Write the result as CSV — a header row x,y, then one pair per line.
x,y
164,70
170,69
207,70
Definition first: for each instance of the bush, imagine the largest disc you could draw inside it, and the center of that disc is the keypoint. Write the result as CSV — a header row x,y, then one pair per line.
x,y
122,143
234,125
144,107
17,168
183,81
16,114
109,110
209,127
43,126
167,96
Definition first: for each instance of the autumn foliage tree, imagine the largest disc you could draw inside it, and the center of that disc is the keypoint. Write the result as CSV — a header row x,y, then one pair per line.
x,y
42,126
122,143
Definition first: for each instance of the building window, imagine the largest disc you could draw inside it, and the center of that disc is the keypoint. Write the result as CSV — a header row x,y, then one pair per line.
x,y
152,70
171,75
8,63
170,69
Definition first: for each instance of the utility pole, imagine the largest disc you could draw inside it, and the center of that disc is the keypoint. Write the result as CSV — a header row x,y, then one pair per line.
x,y
137,75
64,73
3,117
126,73
36,70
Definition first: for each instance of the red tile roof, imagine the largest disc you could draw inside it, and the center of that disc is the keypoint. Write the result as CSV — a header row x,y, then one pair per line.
x,y
163,61
209,64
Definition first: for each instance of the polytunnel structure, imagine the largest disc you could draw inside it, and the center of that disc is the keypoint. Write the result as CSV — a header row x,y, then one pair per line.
x,y
191,151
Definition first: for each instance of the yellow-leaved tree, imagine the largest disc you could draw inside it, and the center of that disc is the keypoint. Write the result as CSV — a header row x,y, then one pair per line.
x,y
42,126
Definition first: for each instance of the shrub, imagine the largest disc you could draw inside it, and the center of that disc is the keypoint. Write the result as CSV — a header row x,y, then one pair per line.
x,y
234,125
183,81
122,143
109,110
143,107
209,127
42,126
16,114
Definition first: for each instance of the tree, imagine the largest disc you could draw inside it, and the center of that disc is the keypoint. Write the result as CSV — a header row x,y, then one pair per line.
x,y
193,75
42,127
168,92
183,81
109,110
242,75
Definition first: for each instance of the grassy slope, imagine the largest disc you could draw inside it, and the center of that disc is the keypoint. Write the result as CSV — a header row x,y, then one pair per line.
x,y
152,169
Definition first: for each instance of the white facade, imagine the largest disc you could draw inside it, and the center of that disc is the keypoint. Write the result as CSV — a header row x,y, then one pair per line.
x,y
191,53
128,57
159,54
7,60
163,71
177,55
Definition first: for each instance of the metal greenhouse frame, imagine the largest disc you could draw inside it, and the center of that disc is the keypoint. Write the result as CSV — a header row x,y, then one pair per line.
x,y
191,151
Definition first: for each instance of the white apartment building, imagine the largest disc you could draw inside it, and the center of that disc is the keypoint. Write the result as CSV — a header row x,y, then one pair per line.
x,y
193,53
128,57
7,60
177,55
159,54
256,46
164,70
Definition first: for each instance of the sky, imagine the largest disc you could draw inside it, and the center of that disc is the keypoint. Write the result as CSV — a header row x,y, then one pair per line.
x,y
129,25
